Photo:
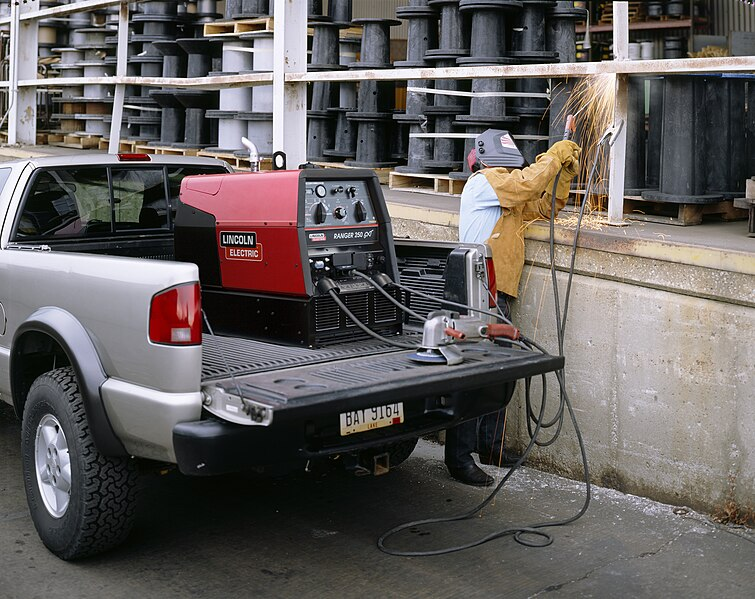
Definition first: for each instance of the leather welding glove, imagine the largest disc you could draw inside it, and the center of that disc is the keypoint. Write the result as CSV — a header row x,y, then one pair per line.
x,y
567,153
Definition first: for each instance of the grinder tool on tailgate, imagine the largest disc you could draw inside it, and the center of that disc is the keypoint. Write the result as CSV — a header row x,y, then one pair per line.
x,y
270,245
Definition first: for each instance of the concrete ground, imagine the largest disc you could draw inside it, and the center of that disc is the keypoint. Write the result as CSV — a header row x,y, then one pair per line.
x,y
314,536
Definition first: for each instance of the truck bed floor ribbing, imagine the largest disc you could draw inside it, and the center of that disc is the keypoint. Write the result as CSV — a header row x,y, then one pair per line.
x,y
226,356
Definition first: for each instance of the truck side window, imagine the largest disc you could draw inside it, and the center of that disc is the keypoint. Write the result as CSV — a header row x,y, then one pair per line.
x,y
139,199
176,175
66,203
4,174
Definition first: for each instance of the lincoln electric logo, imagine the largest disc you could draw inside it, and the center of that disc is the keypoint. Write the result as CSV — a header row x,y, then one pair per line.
x,y
241,245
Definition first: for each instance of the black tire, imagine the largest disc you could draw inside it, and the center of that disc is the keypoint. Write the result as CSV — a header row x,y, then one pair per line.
x,y
397,452
98,510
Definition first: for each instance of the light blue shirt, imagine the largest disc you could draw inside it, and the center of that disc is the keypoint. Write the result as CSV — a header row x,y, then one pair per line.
x,y
479,210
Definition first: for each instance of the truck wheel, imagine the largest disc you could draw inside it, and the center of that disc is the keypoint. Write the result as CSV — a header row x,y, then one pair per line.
x,y
81,502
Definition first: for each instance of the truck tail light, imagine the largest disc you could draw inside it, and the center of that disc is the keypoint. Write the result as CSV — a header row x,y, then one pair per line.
x,y
493,295
175,316
134,157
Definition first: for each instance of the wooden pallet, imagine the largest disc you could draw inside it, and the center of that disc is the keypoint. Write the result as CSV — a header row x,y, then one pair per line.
x,y
234,28
382,173
425,183
239,163
78,142
141,148
230,28
636,12
636,208
43,138
667,17
126,146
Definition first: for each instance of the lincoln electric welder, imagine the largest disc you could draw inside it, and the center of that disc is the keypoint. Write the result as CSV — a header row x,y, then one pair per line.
x,y
270,245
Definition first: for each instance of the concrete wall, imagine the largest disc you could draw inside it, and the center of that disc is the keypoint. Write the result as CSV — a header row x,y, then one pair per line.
x,y
660,350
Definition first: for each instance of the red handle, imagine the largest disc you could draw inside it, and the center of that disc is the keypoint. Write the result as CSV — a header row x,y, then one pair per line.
x,y
503,330
455,334
571,126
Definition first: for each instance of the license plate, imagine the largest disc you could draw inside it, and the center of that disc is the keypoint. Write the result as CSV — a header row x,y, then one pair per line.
x,y
358,421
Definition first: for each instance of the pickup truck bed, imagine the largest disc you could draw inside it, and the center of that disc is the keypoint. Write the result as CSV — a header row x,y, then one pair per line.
x,y
100,331
305,391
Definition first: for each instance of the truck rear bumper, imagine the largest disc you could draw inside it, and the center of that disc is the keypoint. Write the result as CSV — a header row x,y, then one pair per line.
x,y
305,404
213,446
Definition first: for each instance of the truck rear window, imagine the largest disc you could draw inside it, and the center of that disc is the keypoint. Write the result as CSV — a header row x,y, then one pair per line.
x,y
66,203
101,201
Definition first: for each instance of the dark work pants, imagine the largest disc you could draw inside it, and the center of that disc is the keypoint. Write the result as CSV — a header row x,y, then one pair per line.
x,y
483,435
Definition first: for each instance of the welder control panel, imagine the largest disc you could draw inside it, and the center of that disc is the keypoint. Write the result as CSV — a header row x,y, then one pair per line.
x,y
343,230
336,203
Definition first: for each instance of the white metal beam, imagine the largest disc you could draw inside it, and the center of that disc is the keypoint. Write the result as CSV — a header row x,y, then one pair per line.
x,y
617,162
290,96
120,71
60,11
22,111
739,64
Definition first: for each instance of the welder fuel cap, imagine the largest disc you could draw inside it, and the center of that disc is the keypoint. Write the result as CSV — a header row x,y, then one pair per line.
x,y
496,147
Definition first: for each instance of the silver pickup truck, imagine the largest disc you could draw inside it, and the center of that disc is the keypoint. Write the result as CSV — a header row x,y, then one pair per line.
x,y
108,360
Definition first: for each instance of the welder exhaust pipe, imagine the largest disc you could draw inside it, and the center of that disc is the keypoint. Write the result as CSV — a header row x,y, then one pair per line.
x,y
254,155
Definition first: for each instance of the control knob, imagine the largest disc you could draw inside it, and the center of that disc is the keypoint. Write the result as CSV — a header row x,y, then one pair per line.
x,y
360,212
340,212
321,213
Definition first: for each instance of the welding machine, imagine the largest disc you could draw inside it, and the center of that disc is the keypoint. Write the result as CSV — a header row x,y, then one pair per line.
x,y
270,245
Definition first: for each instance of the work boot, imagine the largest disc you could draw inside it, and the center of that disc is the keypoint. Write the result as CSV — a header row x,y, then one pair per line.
x,y
471,474
496,458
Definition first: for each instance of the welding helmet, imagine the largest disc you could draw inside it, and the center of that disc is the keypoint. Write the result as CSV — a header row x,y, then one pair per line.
x,y
495,147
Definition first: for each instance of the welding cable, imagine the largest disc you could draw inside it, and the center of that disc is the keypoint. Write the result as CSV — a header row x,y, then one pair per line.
x,y
448,302
561,320
466,516
564,401
521,534
590,179
494,299
333,294
390,298
557,420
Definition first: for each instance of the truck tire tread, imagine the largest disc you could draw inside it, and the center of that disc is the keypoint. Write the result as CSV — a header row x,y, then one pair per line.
x,y
104,489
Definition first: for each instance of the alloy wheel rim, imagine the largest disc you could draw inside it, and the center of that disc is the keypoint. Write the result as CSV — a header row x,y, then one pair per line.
x,y
53,465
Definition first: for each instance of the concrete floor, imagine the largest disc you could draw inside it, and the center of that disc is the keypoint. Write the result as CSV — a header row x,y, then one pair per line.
x,y
314,536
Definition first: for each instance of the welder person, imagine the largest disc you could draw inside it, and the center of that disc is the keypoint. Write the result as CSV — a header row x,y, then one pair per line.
x,y
501,195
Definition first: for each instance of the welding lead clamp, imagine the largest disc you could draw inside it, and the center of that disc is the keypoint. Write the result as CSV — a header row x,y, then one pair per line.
x,y
382,279
326,284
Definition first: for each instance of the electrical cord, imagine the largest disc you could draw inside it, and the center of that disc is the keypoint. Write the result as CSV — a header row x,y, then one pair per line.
x,y
519,532
392,299
590,179
333,294
450,303
561,320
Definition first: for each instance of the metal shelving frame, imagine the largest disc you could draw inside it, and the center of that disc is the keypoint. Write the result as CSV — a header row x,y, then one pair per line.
x,y
290,77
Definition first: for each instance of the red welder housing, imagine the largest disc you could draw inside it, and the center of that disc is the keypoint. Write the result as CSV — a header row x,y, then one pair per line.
x,y
265,204
264,240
